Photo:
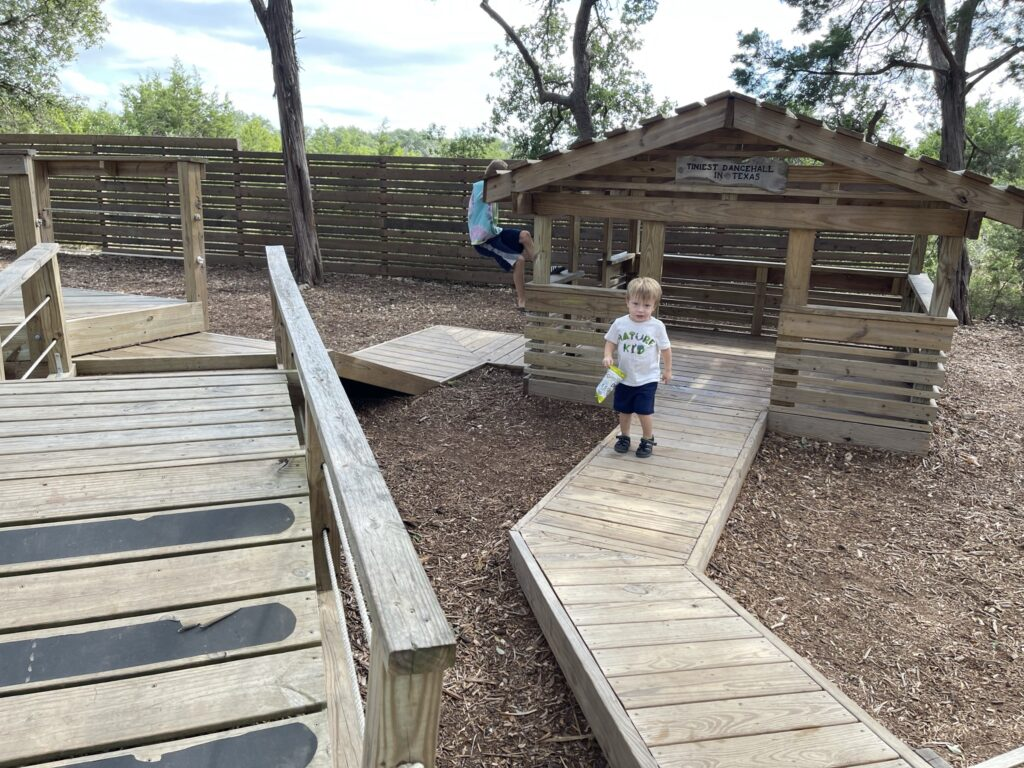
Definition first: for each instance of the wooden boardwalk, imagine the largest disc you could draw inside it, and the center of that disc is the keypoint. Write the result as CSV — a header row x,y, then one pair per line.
x,y
157,574
418,362
669,669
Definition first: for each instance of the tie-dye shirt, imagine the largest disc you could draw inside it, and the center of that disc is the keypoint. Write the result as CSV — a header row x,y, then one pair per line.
x,y
483,218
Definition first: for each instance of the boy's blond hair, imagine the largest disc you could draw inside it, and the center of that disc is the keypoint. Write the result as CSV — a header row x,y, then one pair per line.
x,y
494,166
645,289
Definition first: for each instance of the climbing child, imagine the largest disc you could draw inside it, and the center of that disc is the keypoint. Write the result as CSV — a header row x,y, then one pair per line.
x,y
641,341
510,248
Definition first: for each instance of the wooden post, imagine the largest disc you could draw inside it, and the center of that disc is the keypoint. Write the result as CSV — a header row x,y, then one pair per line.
x,y
652,249
760,294
23,210
403,711
44,210
574,243
542,226
285,357
193,237
945,275
917,252
799,254
49,324
320,514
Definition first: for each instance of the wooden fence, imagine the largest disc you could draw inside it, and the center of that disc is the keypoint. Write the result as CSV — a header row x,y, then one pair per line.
x,y
405,216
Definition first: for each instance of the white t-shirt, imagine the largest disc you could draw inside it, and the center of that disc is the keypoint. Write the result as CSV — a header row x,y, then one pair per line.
x,y
639,348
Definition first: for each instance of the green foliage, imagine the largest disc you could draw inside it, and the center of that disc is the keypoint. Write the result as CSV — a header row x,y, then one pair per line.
x,y
995,139
37,39
868,55
618,93
432,142
997,285
177,105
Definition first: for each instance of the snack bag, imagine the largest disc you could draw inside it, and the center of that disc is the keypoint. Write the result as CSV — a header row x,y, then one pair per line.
x,y
605,386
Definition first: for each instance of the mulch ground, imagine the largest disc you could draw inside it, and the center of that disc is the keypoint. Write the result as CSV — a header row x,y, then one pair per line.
x,y
900,578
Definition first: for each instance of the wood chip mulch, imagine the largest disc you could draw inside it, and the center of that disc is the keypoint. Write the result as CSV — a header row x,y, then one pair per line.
x,y
900,578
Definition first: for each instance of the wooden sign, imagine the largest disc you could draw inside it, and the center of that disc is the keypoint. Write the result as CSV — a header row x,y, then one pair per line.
x,y
767,173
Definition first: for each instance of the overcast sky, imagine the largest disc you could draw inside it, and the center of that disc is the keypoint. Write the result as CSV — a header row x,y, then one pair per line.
x,y
410,62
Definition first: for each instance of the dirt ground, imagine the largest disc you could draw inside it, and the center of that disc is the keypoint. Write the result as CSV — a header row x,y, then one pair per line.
x,y
900,578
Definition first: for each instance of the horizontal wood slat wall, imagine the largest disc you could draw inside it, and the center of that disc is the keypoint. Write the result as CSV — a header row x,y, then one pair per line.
x,y
399,216
861,376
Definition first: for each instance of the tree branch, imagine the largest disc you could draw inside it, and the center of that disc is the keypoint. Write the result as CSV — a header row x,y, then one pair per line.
x,y
996,63
938,36
893,64
261,14
543,95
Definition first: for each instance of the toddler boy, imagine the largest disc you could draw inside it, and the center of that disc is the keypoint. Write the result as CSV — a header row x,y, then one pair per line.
x,y
640,340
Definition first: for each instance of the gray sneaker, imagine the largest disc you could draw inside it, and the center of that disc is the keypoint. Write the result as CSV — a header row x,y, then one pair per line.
x,y
646,448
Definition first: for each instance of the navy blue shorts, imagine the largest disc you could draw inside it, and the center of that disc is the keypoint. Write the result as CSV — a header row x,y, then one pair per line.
x,y
504,248
638,400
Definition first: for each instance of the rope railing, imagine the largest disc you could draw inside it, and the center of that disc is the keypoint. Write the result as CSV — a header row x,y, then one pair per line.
x,y
346,643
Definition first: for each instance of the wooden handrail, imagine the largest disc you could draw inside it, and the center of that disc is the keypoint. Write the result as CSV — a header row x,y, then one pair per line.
x,y
412,641
921,288
25,266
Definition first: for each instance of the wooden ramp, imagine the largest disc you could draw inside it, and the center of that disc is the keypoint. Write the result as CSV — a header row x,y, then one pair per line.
x,y
669,669
99,320
420,361
157,575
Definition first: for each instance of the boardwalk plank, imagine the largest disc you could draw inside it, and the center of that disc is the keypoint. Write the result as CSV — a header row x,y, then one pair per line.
x,y
831,747
109,591
105,716
153,753
702,685
729,718
678,657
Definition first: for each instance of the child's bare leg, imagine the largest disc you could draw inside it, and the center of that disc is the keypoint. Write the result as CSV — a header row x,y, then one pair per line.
x,y
529,249
647,424
624,421
519,281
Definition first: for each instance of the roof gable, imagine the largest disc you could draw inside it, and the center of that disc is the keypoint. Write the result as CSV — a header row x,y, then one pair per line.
x,y
773,124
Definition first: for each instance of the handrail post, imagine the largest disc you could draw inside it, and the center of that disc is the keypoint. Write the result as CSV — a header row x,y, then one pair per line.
x,y
403,712
193,235
18,167
49,324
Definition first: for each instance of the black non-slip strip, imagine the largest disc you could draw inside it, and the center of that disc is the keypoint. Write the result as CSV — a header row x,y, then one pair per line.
x,y
104,650
291,745
98,537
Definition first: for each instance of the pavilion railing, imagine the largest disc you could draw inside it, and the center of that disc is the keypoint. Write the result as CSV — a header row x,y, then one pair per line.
x,y
43,330
411,643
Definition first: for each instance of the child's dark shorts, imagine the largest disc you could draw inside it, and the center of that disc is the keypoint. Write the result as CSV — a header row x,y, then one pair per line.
x,y
638,400
504,248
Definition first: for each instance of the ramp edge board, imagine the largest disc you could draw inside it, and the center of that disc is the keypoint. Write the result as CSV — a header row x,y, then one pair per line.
x,y
610,724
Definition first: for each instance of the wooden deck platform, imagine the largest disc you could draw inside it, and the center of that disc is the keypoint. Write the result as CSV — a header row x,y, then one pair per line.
x,y
157,575
420,361
668,668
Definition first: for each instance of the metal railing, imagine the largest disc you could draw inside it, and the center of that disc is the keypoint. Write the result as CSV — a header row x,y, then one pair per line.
x,y
37,276
411,643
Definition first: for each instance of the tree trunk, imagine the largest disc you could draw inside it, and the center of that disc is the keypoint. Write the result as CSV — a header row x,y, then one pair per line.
x,y
950,77
579,98
276,20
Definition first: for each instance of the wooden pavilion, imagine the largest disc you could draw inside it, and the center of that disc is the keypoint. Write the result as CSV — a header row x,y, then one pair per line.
x,y
788,229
